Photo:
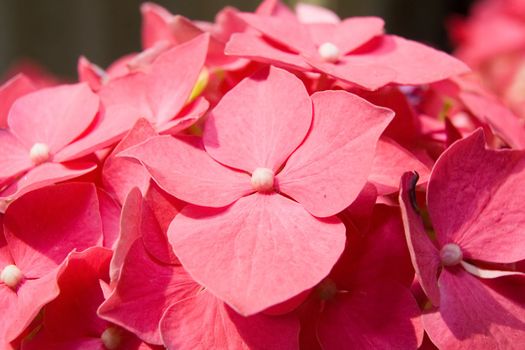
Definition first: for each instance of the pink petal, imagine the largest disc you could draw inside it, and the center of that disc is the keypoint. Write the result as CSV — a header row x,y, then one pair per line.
x,y
474,200
137,304
24,305
504,123
90,73
391,161
327,172
368,74
10,91
414,63
377,317
44,175
173,76
280,250
476,314
163,205
205,322
273,111
391,59
110,216
155,24
383,253
14,156
54,116
256,48
44,226
182,168
129,231
349,34
73,313
187,117
424,255
308,13
285,31
119,174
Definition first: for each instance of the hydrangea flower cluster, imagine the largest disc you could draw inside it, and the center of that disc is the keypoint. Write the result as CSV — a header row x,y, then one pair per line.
x,y
282,179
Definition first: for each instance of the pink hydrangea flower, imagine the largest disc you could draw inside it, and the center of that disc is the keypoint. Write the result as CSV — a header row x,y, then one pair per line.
x,y
175,310
474,202
39,235
240,193
354,50
41,145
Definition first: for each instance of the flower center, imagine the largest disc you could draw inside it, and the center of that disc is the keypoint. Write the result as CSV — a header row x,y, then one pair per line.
x,y
262,179
451,254
329,52
11,276
39,153
111,338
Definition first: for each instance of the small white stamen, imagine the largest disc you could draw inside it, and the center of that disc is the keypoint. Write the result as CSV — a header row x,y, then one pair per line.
x,y
451,254
262,179
39,153
111,338
329,52
11,276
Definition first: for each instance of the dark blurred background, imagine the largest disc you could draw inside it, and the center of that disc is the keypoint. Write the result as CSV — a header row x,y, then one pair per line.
x,y
55,32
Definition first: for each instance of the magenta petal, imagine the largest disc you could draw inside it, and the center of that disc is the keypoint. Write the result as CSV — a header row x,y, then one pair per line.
x,y
475,200
424,255
10,91
54,116
391,161
44,226
256,48
327,172
182,168
269,114
144,290
14,156
377,317
205,322
476,314
173,76
279,249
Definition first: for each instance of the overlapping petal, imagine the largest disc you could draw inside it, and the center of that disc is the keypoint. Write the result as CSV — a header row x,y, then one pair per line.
x,y
474,200
260,122
327,172
268,247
